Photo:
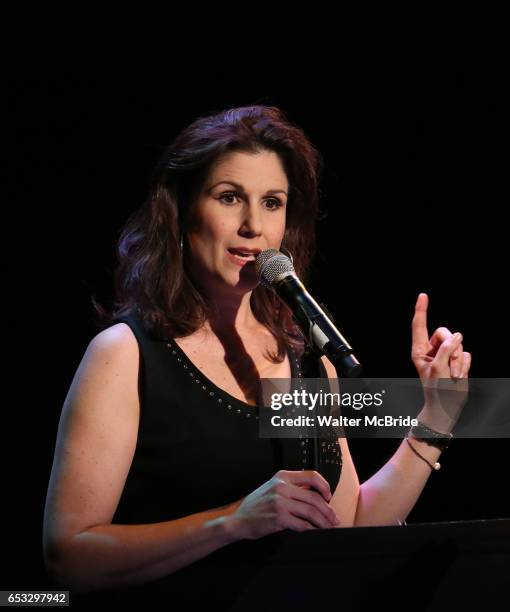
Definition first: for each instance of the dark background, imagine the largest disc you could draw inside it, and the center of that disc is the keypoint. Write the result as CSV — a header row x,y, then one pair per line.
x,y
414,191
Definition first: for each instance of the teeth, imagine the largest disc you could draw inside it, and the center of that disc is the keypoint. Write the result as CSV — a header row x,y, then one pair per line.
x,y
244,255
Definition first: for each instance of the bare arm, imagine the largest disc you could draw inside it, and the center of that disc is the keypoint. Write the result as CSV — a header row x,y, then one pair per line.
x,y
391,493
117,555
95,446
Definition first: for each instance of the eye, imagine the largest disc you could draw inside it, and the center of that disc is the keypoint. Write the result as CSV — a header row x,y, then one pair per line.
x,y
276,203
228,194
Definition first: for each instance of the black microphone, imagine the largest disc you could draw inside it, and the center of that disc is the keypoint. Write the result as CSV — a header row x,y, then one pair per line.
x,y
275,271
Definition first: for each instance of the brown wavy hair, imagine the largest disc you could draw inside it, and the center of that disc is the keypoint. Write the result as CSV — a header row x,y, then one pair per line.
x,y
151,278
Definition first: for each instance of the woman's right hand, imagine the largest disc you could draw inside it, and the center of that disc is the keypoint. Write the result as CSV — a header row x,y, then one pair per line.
x,y
295,500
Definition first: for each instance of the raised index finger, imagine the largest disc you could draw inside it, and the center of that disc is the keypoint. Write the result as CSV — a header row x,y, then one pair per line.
x,y
419,325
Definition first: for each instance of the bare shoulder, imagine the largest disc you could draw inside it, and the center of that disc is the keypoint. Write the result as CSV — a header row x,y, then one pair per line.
x,y
115,337
113,351
109,366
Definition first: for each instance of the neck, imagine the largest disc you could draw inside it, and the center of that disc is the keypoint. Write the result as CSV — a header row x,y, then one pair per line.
x,y
231,315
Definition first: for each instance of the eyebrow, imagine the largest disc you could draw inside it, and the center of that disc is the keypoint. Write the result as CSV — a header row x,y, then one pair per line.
x,y
241,188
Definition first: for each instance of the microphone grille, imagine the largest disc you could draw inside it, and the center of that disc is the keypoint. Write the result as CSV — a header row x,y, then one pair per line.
x,y
270,264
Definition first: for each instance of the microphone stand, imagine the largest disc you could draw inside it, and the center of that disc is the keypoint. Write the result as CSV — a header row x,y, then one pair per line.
x,y
346,365
310,369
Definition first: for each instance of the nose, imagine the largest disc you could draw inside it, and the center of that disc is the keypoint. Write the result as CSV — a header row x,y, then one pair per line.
x,y
251,222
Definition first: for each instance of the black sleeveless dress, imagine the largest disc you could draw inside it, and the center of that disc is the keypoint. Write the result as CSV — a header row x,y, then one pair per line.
x,y
199,448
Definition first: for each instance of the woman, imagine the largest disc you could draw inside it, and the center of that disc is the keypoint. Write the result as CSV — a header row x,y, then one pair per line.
x,y
158,465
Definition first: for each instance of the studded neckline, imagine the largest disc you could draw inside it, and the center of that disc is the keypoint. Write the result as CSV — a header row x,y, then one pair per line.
x,y
216,393
329,451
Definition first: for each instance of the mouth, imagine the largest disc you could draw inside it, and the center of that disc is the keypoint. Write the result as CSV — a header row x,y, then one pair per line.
x,y
248,254
242,257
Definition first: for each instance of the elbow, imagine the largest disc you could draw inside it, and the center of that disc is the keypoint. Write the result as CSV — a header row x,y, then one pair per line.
x,y
52,555
60,577
65,571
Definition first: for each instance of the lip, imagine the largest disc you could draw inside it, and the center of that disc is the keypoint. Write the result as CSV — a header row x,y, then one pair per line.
x,y
246,249
238,261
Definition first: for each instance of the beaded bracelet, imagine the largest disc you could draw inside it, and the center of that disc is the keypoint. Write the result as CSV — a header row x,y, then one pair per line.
x,y
436,465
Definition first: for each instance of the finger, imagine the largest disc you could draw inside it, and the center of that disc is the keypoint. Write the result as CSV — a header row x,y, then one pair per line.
x,y
312,479
315,499
309,513
439,336
446,350
298,524
419,325
457,361
466,365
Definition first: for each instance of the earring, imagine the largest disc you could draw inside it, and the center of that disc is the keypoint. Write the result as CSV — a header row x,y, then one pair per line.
x,y
181,243
288,253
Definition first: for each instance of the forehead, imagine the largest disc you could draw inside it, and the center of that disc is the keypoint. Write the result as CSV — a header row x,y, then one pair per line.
x,y
250,169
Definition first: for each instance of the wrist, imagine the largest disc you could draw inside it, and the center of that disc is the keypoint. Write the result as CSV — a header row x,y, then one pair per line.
x,y
425,452
430,435
232,525
440,423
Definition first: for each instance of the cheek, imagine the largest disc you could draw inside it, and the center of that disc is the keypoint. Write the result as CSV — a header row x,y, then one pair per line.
x,y
275,231
217,227
215,236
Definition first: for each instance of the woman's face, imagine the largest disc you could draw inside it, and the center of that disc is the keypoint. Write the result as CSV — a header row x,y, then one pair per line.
x,y
242,205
